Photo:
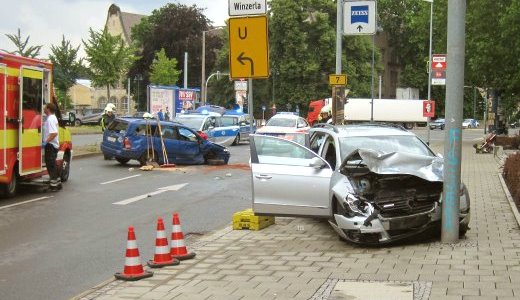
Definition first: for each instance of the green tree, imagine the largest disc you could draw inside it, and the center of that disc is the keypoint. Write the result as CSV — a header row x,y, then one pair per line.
x,y
163,70
67,67
302,41
22,45
108,58
178,29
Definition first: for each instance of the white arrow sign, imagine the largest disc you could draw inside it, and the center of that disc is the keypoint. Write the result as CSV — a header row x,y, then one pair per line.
x,y
159,191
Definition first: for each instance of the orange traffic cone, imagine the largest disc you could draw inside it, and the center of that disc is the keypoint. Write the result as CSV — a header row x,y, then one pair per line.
x,y
133,268
178,249
162,255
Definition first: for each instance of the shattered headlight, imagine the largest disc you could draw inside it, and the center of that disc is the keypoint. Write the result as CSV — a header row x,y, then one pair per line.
x,y
357,206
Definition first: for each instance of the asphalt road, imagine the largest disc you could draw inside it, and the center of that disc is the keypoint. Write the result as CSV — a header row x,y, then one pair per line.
x,y
55,248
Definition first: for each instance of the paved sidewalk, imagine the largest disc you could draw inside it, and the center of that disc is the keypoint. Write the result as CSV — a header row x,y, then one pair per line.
x,y
303,258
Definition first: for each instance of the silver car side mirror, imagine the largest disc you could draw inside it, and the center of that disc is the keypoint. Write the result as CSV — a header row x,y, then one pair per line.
x,y
316,163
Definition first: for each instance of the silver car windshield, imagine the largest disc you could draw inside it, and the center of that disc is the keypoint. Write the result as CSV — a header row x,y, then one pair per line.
x,y
385,144
193,123
282,122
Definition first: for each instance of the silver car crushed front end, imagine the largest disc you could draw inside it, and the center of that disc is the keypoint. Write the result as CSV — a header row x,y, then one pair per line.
x,y
382,198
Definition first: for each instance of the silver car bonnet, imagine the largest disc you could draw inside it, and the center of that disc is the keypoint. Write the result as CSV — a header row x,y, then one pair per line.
x,y
429,168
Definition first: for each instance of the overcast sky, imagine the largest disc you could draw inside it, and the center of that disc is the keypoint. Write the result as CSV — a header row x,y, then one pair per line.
x,y
46,21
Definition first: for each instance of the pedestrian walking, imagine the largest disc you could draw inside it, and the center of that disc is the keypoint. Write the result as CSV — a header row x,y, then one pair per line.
x,y
51,145
160,115
107,118
167,115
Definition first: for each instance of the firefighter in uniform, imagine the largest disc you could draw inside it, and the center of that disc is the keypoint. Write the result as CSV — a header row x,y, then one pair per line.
x,y
107,118
51,145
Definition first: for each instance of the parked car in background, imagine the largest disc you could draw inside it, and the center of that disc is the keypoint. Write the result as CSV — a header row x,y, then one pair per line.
x,y
286,125
234,118
210,127
376,184
139,139
470,123
438,124
89,116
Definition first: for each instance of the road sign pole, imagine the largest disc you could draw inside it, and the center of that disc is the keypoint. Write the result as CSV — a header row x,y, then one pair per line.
x,y
372,76
430,69
250,103
454,108
203,71
339,34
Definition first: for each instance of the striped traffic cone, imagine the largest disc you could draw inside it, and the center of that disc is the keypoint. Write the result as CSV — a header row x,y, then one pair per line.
x,y
178,248
133,269
162,255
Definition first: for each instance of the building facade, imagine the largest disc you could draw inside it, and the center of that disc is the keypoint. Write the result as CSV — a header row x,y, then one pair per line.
x,y
85,96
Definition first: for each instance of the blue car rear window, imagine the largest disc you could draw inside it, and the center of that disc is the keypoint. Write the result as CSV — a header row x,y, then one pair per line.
x,y
118,126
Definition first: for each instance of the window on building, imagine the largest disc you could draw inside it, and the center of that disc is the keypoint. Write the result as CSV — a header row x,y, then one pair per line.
x,y
124,103
102,102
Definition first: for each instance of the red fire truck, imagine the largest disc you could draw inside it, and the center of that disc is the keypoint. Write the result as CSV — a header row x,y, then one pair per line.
x,y
25,88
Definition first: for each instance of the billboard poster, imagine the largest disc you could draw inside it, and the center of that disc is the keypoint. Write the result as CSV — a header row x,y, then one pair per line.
x,y
160,98
186,100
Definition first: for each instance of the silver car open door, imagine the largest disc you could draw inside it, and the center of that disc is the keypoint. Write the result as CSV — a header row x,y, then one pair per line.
x,y
288,179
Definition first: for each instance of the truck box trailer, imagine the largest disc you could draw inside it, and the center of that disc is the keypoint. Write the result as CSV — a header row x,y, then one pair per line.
x,y
408,113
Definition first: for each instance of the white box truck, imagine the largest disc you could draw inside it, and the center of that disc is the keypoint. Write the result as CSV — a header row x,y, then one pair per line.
x,y
407,113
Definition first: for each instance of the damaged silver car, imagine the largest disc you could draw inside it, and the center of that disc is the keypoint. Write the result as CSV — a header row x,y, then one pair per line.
x,y
375,183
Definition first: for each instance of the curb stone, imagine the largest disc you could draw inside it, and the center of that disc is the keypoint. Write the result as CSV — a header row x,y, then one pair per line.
x,y
86,155
512,203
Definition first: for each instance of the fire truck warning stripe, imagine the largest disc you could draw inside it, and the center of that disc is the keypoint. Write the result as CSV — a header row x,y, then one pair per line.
x,y
13,72
26,73
31,138
32,74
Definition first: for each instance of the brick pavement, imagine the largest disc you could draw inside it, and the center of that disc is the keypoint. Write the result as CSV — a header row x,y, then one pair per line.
x,y
300,258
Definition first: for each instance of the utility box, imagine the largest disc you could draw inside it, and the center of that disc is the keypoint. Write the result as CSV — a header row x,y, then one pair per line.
x,y
407,93
246,219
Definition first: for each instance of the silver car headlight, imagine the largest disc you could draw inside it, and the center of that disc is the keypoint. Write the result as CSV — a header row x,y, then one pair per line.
x,y
357,206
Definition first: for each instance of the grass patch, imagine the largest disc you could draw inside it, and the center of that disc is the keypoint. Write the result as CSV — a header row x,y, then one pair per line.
x,y
85,129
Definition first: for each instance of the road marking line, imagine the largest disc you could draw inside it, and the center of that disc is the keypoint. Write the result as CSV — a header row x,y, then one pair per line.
x,y
159,191
120,179
137,198
25,202
175,187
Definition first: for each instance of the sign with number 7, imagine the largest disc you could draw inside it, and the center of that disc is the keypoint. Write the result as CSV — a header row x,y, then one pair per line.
x,y
338,79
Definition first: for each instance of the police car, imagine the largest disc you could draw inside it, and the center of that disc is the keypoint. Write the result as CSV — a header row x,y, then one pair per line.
x,y
210,127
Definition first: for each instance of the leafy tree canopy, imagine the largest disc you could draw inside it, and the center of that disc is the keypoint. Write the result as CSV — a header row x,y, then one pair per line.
x,y
22,45
176,28
108,58
163,70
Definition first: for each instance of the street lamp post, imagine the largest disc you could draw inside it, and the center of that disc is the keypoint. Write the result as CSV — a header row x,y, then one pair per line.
x,y
203,67
218,73
430,66
138,78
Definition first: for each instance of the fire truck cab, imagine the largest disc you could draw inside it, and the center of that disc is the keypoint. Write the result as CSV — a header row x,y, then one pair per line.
x,y
25,88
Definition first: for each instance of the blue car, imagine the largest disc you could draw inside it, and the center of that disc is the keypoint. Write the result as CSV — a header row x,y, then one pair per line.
x,y
139,139
242,121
